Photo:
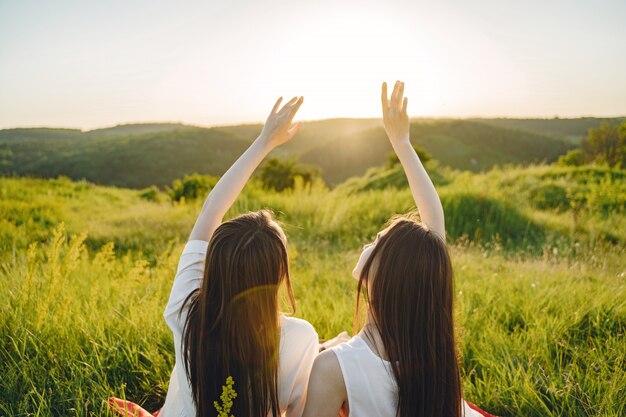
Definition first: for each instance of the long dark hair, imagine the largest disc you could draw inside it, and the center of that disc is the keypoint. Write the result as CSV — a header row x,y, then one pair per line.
x,y
410,282
232,327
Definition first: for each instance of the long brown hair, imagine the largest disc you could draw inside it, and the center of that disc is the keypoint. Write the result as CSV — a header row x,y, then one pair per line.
x,y
410,299
232,327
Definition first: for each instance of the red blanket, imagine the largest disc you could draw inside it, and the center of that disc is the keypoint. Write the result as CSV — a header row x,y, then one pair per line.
x,y
475,408
130,409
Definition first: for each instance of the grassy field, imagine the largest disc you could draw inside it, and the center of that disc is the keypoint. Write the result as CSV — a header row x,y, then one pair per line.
x,y
539,257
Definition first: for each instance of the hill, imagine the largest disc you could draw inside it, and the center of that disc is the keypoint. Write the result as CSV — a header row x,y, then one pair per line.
x,y
537,204
459,144
39,134
137,129
155,154
127,161
571,130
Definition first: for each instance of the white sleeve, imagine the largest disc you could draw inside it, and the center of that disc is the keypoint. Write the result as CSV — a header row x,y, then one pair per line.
x,y
469,411
188,278
309,350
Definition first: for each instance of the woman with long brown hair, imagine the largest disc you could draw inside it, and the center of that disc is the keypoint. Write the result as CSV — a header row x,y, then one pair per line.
x,y
403,362
223,309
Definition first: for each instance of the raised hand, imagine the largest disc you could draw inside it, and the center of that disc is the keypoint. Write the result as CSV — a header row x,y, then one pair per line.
x,y
278,128
395,117
396,123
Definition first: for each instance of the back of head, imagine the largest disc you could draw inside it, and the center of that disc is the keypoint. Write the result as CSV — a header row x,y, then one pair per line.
x,y
411,293
232,327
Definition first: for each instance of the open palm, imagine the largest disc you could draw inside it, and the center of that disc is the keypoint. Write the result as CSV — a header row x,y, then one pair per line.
x,y
278,128
395,117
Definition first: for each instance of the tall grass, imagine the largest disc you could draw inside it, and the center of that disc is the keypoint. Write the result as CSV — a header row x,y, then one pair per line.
x,y
77,328
541,293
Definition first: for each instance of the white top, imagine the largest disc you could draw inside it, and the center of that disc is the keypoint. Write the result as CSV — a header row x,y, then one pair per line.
x,y
297,351
370,383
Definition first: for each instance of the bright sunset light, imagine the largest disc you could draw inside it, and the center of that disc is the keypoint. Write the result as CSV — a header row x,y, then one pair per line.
x,y
312,208
205,62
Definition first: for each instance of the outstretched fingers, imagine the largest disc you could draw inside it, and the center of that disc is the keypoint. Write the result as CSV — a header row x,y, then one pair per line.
x,y
278,128
400,95
394,95
396,102
395,118
287,107
295,108
384,98
275,108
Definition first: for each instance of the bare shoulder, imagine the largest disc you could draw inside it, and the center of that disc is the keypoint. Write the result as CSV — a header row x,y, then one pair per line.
x,y
327,364
327,389
326,371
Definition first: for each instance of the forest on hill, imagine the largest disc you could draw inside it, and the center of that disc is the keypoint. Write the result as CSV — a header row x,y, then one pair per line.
x,y
141,155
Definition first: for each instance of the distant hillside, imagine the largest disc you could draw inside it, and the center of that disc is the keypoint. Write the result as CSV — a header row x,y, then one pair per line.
x,y
572,130
146,154
138,129
128,161
460,144
39,134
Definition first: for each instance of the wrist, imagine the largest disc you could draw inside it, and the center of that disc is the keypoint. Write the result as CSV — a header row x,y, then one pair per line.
x,y
264,143
401,141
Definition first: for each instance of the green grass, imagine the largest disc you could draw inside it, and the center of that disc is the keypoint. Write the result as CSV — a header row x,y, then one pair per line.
x,y
540,284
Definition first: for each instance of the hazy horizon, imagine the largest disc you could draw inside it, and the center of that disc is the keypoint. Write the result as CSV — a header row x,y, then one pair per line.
x,y
243,123
89,66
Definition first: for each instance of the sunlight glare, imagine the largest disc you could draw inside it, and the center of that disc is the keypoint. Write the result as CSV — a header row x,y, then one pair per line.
x,y
339,62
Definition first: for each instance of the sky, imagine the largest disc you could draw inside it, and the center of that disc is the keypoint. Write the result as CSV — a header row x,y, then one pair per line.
x,y
88,64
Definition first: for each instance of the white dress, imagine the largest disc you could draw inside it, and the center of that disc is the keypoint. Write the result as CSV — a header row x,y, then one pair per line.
x,y
369,381
297,351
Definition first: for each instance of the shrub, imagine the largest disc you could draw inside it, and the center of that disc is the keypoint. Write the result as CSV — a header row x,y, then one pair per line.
x,y
151,194
549,196
606,144
482,219
192,187
572,158
280,174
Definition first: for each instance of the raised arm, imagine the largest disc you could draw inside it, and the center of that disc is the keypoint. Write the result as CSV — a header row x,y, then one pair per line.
x,y
277,130
396,121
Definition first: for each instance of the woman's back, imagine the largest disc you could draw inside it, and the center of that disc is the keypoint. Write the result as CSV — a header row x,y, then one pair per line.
x,y
298,346
297,350
369,381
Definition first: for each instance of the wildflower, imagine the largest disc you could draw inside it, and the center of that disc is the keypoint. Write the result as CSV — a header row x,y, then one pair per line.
x,y
227,397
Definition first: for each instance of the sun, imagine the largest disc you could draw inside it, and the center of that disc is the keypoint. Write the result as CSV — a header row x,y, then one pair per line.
x,y
338,62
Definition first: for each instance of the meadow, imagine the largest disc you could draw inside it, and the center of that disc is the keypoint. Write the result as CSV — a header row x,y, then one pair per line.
x,y
539,258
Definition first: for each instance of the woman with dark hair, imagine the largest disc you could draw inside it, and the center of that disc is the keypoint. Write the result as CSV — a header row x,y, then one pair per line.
x,y
403,362
223,309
